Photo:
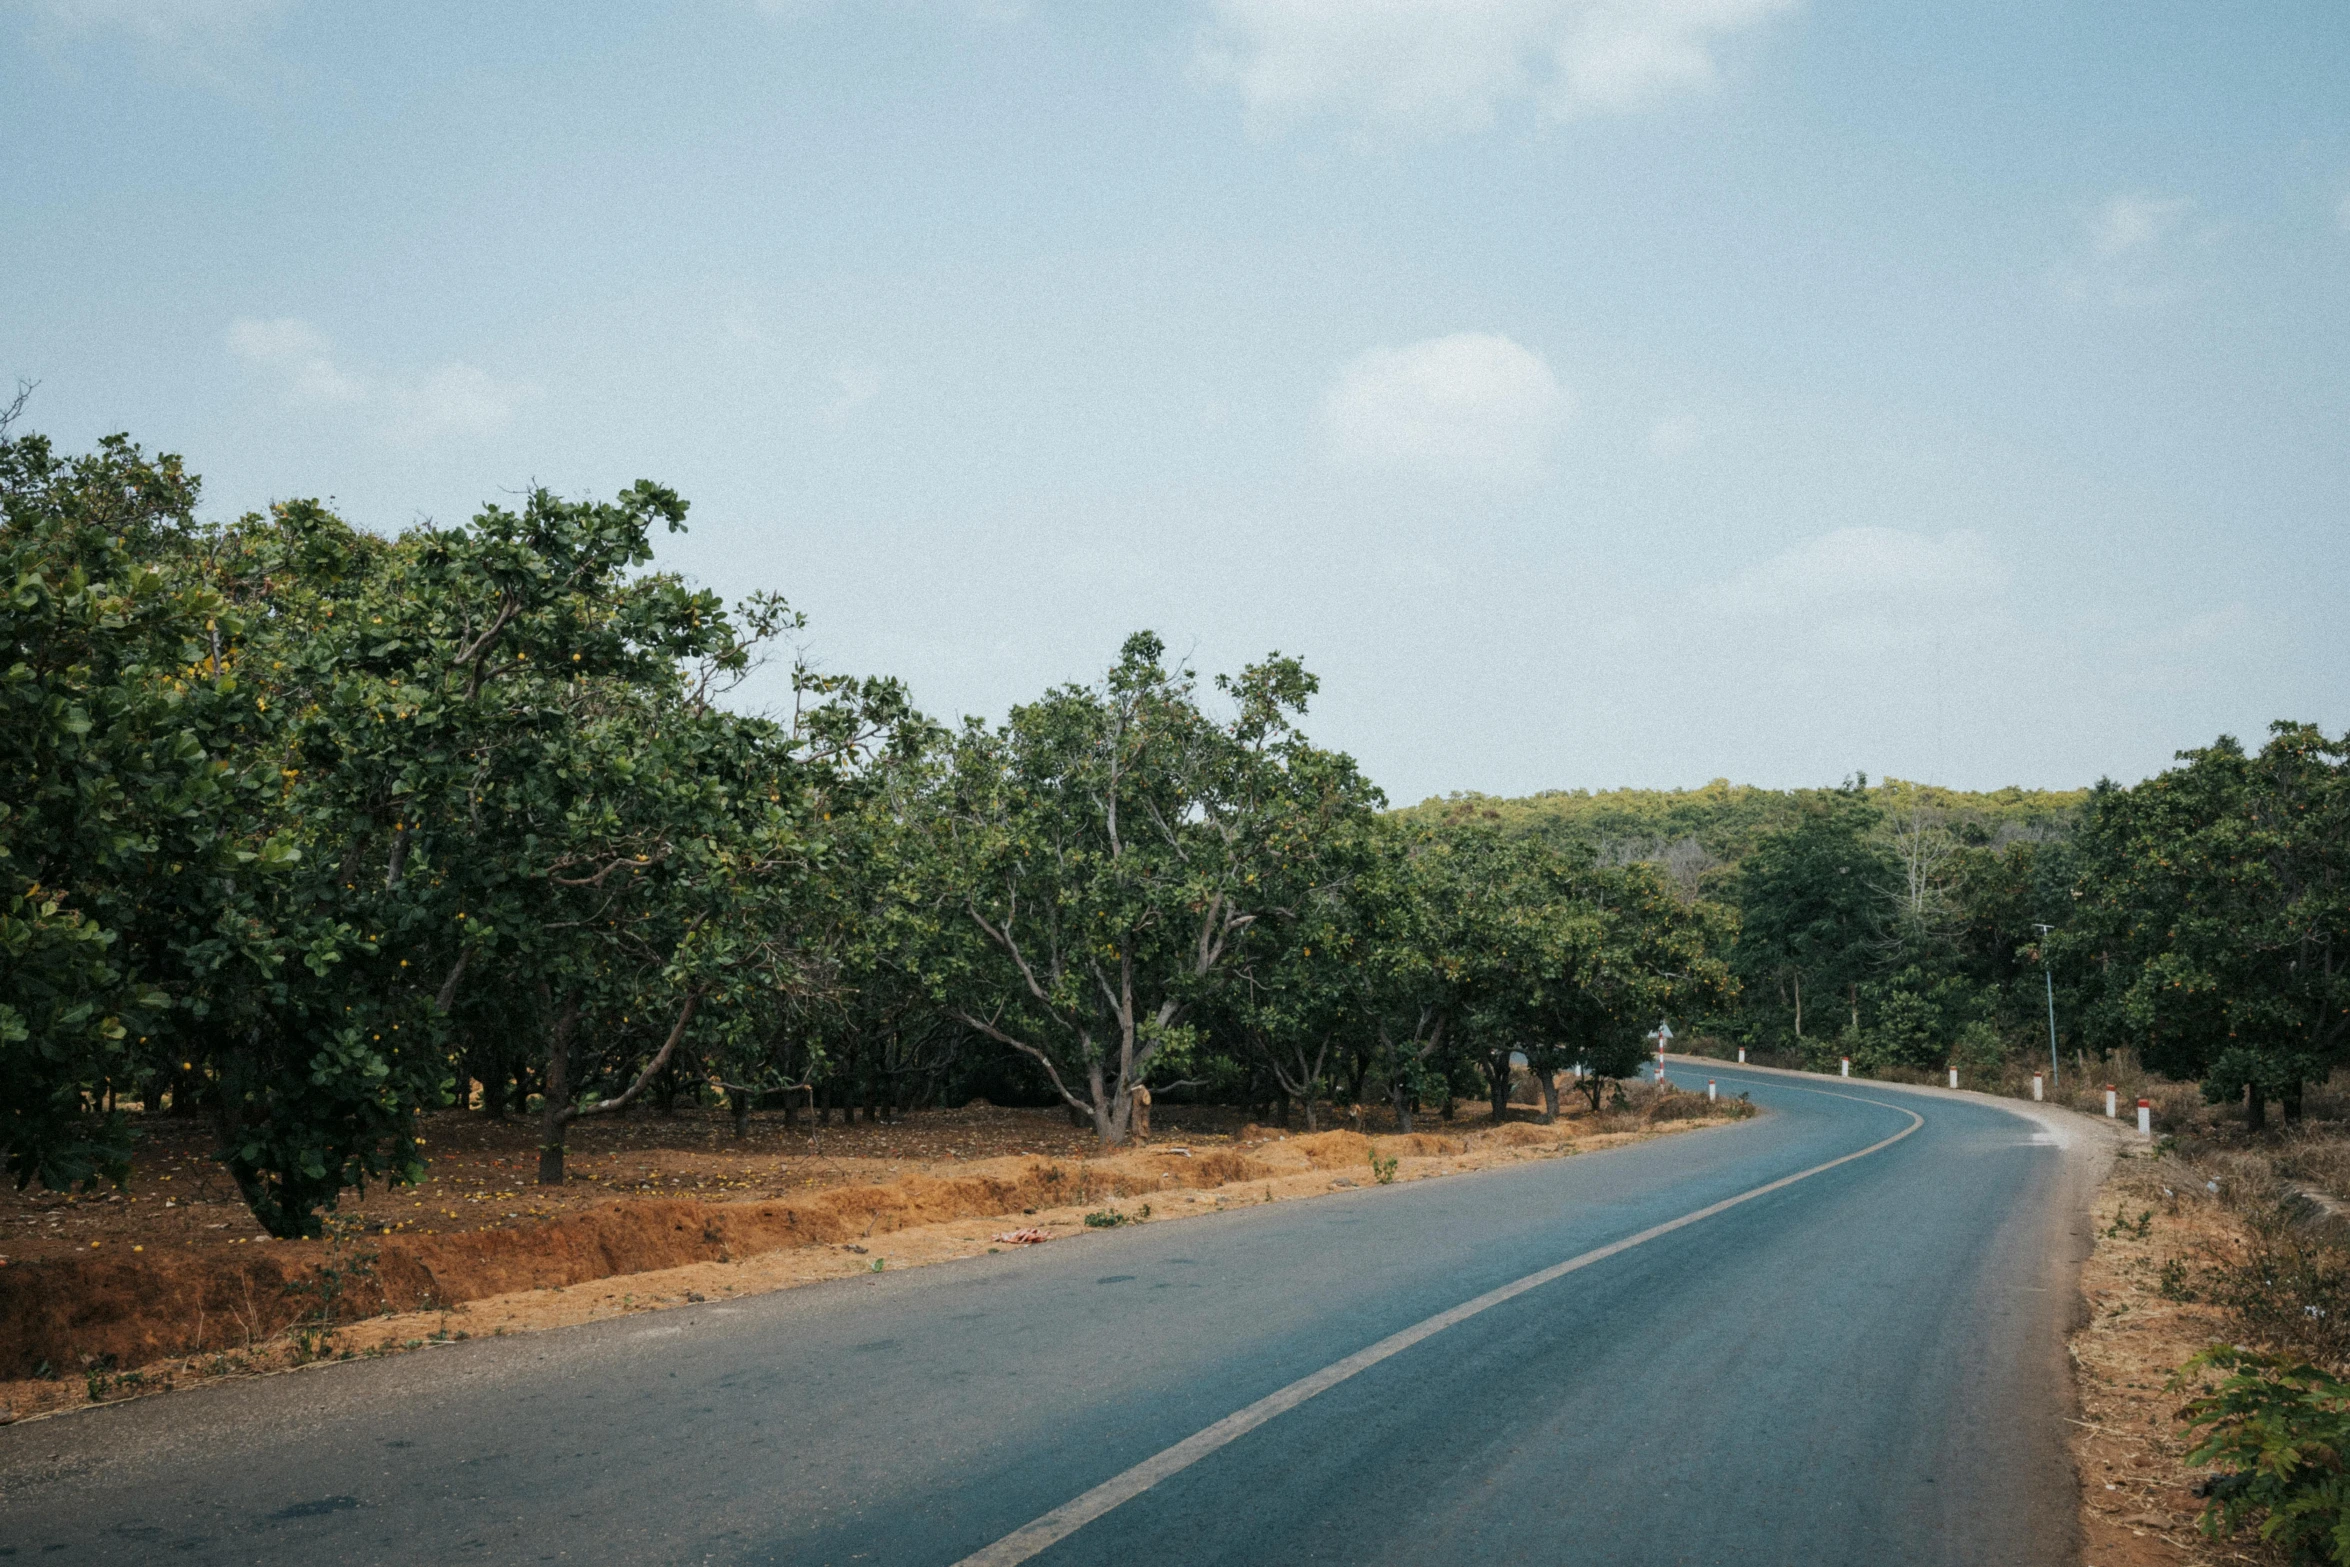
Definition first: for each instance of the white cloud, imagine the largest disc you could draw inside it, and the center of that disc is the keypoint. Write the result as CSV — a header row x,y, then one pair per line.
x,y
1864,590
1866,565
166,24
1441,65
2129,252
297,355
2135,223
217,42
991,13
2215,627
1472,404
1672,436
455,400
854,386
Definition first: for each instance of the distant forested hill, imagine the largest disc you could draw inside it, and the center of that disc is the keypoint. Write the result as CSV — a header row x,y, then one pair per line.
x,y
1701,832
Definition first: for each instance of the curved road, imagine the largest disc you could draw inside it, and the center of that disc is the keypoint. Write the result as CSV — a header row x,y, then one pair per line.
x,y
1863,1365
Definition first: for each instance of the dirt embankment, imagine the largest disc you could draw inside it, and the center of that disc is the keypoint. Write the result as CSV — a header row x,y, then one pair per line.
x,y
89,1327
65,1310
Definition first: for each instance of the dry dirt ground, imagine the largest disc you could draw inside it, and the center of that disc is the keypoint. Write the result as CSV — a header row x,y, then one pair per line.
x,y
482,1173
136,1292
2137,1503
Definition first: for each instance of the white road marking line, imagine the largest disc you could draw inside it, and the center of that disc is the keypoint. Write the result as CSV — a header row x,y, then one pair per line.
x,y
1065,1520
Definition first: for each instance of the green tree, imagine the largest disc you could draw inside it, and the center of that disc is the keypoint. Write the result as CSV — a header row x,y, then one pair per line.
x,y
101,772
1413,975
1110,846
1581,961
1296,991
1811,913
2216,915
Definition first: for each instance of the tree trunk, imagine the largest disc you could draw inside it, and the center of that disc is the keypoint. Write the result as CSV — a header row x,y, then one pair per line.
x,y
1799,1007
2255,1108
739,1100
555,1107
1403,1109
2291,1099
1497,1078
1550,1097
1109,1128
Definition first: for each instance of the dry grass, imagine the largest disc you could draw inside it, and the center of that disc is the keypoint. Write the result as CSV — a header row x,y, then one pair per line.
x,y
2154,1226
2220,1235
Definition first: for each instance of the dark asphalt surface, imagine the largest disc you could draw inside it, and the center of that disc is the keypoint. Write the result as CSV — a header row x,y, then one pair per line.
x,y
1865,1367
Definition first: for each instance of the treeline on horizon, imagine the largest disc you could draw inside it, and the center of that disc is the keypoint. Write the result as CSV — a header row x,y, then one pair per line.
x,y
306,831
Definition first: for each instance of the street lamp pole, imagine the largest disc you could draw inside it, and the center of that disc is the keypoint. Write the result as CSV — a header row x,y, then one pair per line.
x,y
2056,1073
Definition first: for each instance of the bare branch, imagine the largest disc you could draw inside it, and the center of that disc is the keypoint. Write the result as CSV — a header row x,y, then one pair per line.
x,y
1025,1048
685,1015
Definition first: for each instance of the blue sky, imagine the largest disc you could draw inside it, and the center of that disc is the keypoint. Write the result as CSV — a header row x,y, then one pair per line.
x,y
1593,392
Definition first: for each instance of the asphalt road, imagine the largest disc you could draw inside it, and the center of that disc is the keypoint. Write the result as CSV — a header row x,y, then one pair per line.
x,y
1863,1366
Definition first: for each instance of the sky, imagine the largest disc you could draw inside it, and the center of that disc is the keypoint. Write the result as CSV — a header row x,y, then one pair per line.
x,y
1592,392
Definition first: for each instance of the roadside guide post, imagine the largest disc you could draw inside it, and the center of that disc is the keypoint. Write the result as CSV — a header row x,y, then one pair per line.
x,y
1846,1070
1710,1095
2146,1119
2039,1082
2110,1093
1663,1037
1954,1077
1741,1055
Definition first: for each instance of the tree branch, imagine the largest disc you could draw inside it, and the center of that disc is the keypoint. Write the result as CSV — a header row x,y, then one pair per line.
x,y
685,1015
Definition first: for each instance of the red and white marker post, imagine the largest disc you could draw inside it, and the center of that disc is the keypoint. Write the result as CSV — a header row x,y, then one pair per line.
x,y
2146,1119
2111,1095
2039,1086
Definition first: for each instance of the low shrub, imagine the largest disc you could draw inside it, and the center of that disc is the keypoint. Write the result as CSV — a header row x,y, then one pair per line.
x,y
1696,1107
2287,1285
2280,1430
